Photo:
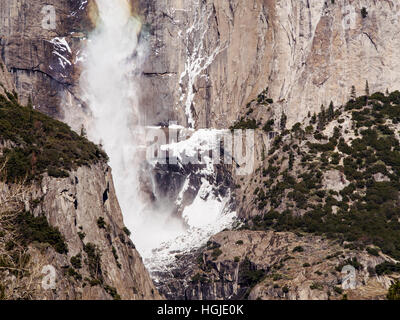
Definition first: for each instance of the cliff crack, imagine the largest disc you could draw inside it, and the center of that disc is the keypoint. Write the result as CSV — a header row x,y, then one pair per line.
x,y
159,74
37,70
372,41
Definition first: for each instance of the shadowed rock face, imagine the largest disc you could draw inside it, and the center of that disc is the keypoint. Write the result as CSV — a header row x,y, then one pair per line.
x,y
169,183
74,205
42,60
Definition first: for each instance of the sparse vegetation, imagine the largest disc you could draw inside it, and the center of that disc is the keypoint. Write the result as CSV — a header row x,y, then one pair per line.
x,y
298,249
263,98
212,245
71,272
76,261
127,232
101,223
364,12
199,278
249,275
269,126
38,229
216,253
93,260
19,231
41,144
81,235
365,212
352,262
244,124
394,291
387,268
114,252
338,290
373,251
316,286
112,292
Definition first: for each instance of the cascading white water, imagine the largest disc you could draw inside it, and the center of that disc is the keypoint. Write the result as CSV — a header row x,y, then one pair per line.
x,y
112,62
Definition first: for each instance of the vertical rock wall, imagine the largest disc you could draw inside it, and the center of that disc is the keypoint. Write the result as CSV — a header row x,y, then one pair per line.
x,y
84,208
209,58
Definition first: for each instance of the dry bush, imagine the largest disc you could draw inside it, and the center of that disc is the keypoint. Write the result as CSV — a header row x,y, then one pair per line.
x,y
18,275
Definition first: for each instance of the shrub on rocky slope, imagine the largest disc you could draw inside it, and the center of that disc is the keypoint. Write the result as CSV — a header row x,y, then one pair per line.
x,y
338,177
53,224
32,143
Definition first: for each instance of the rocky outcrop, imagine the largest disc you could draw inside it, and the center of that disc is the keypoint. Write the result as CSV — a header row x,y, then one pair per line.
x,y
85,210
275,265
75,205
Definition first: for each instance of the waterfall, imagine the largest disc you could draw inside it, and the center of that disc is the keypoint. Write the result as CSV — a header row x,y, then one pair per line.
x,y
113,58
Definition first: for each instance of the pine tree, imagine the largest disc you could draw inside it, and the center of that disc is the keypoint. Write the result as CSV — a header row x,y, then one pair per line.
x,y
322,118
331,112
314,119
366,88
394,291
30,105
283,121
83,131
291,160
353,94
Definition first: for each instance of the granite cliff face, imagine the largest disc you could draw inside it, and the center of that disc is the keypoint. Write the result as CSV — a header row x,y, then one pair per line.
x,y
101,263
207,59
74,206
210,58
40,47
